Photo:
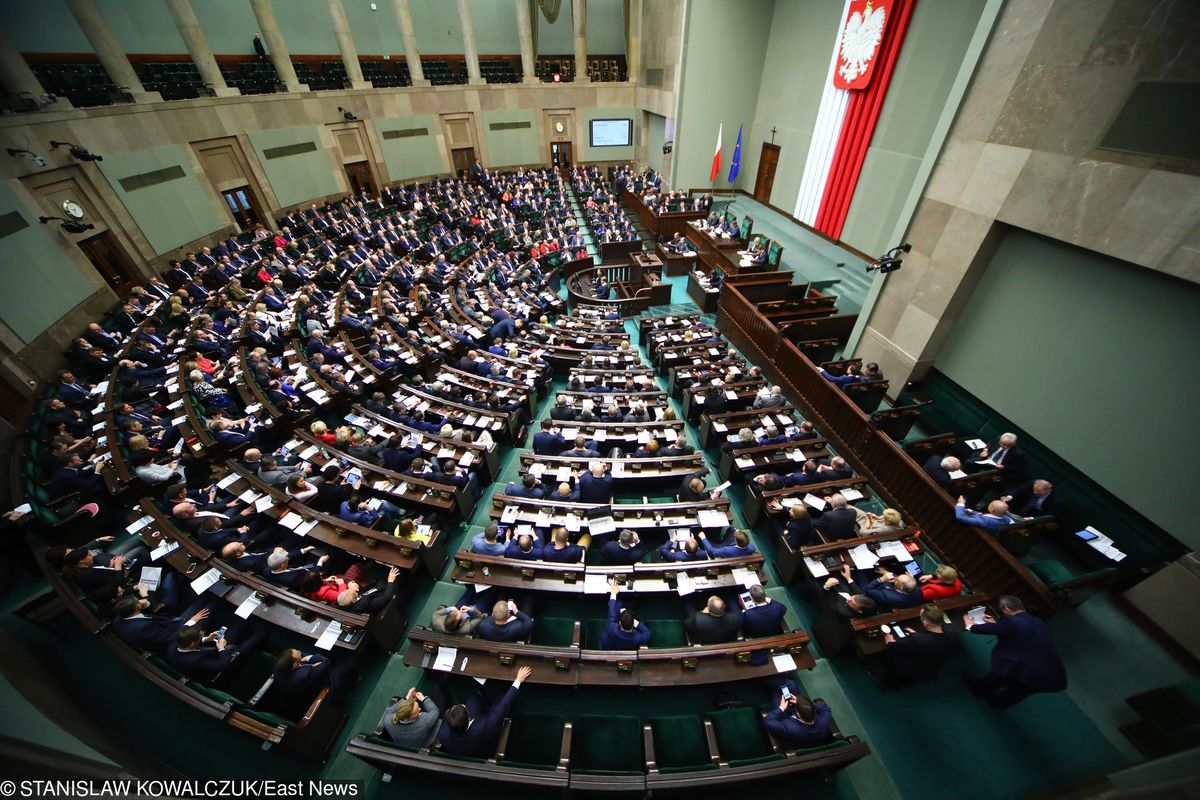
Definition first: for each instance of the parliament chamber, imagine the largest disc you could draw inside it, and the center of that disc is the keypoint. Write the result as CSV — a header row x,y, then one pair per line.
x,y
407,396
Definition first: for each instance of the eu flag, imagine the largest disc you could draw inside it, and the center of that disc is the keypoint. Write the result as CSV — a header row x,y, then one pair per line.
x,y
735,166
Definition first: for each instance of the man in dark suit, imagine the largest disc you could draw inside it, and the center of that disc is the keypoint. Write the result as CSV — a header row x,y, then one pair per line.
x,y
138,627
894,591
920,654
563,410
1037,498
549,443
797,722
299,677
528,487
1024,660
205,657
764,617
595,485
713,624
622,631
506,624
679,448
839,521
940,468
844,598
472,729
1003,454
627,549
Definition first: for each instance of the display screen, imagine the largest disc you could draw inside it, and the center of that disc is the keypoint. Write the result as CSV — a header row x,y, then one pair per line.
x,y
611,132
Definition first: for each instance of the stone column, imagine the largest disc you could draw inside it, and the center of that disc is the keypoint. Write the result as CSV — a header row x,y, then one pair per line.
x,y
17,78
633,48
468,34
525,31
579,13
341,29
411,54
108,50
276,47
197,45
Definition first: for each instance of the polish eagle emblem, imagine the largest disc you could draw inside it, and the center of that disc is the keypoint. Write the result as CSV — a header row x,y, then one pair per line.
x,y
860,41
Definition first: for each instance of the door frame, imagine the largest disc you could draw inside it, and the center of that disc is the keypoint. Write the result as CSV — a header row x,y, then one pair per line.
x,y
470,159
125,271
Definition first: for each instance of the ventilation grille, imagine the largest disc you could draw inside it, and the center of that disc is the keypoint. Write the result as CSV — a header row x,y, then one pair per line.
x,y
405,133
289,150
146,179
12,222
654,77
509,126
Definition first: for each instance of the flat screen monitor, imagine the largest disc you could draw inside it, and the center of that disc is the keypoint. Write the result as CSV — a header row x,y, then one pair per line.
x,y
611,132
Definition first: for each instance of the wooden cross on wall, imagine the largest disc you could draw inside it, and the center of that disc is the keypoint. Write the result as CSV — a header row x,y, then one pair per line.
x,y
772,134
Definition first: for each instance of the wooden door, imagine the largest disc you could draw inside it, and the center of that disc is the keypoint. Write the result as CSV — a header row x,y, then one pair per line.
x,y
463,158
359,175
767,161
242,206
560,154
111,262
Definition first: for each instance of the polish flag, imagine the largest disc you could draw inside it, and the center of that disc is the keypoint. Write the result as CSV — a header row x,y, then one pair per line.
x,y
716,165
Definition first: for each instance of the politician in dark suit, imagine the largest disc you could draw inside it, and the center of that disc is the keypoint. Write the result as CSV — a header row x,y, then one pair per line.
x,y
138,627
506,624
764,617
713,624
920,654
1038,498
471,729
1024,660
839,521
940,468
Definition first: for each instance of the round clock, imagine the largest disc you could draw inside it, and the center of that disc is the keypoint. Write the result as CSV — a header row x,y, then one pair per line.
x,y
73,209
559,127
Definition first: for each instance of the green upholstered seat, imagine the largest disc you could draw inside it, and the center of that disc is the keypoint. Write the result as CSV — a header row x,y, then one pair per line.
x,y
451,757
213,694
552,631
666,633
740,735
1050,571
534,740
679,742
593,629
162,666
607,744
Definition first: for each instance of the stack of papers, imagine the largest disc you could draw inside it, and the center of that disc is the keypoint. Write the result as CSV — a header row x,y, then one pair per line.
x,y
862,557
445,659
895,549
330,635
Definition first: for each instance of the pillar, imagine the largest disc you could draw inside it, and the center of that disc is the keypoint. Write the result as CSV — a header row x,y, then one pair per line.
x,y
108,50
468,34
633,48
268,26
341,29
525,31
411,54
18,79
579,14
197,45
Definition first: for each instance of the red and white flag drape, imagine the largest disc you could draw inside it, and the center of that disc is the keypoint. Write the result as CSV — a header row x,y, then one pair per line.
x,y
716,165
860,71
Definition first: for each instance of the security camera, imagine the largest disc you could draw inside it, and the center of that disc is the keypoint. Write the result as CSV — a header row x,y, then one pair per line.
x,y
668,147
890,261
17,152
347,115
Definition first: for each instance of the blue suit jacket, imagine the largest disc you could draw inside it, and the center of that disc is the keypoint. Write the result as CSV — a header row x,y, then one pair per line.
x,y
1025,652
549,444
519,628
615,638
888,596
593,489
766,620
984,521
483,732
793,734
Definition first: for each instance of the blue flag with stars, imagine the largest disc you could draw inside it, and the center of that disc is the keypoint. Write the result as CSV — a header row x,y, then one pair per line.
x,y
735,166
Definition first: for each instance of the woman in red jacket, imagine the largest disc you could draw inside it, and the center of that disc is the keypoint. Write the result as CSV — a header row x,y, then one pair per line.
x,y
941,584
327,590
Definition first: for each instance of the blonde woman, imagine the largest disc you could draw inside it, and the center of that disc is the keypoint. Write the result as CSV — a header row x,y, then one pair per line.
x,y
320,431
887,522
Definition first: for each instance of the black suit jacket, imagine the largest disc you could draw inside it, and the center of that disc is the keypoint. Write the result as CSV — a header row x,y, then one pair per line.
x,y
1023,495
707,629
838,523
920,655
933,468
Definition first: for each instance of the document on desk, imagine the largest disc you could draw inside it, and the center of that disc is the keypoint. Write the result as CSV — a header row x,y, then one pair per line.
x,y
784,663
468,458
246,608
744,463
572,522
862,557
956,474
537,470
720,427
291,520
151,576
684,584
263,503
563,475
601,525
510,514
164,549
731,394
140,523
745,576
595,583
852,495
569,433
208,579
975,444
812,500
708,518
895,549
302,530
445,659
330,635
815,567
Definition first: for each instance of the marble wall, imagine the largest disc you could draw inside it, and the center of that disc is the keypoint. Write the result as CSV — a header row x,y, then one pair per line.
x,y
1023,152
